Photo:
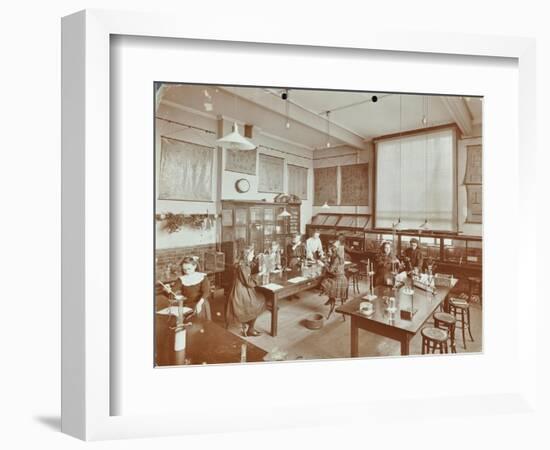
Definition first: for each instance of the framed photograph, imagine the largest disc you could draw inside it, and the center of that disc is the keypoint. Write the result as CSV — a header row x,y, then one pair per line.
x,y
354,190
297,181
116,70
185,171
241,162
325,185
270,174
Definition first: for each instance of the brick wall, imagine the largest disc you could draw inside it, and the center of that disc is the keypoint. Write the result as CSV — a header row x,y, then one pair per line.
x,y
173,257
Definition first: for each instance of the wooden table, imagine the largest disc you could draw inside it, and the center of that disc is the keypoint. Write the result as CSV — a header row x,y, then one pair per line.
x,y
313,279
207,343
391,325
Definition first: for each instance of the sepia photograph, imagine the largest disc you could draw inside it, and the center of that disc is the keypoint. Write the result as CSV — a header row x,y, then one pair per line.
x,y
298,224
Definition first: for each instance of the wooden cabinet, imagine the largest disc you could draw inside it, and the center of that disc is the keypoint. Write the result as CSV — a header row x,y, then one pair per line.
x,y
258,223
331,225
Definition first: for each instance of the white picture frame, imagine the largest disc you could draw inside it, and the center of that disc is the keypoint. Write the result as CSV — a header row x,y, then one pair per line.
x,y
87,256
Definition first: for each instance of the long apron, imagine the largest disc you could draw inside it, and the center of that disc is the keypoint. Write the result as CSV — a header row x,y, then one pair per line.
x,y
243,304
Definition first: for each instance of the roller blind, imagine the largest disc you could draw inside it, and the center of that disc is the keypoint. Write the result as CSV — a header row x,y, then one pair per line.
x,y
415,181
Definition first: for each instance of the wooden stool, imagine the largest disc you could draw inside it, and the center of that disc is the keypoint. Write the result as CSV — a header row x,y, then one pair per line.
x,y
354,275
460,309
434,339
447,322
474,285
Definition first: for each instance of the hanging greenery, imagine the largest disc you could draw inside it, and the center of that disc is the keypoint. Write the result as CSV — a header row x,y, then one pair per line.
x,y
175,222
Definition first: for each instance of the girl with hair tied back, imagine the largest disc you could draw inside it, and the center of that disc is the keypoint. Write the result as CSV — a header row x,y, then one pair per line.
x,y
243,305
195,287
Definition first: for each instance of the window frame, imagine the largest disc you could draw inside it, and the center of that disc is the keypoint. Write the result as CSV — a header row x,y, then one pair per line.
x,y
419,131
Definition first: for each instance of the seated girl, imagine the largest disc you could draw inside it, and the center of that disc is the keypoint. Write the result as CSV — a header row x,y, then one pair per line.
x,y
195,287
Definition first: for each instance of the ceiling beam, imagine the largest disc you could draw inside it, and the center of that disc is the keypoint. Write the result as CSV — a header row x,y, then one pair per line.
x,y
460,113
300,115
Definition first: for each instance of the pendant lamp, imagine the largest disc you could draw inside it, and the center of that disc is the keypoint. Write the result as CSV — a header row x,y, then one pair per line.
x,y
284,213
235,140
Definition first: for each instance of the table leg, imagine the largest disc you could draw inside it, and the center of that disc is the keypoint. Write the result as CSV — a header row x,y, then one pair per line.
x,y
354,338
405,339
274,315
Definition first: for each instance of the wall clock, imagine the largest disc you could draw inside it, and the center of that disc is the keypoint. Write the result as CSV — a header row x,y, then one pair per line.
x,y
242,185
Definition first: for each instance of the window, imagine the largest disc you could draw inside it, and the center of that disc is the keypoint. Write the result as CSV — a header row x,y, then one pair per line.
x,y
415,181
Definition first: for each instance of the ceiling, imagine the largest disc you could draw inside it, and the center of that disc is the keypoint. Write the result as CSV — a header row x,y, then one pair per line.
x,y
354,118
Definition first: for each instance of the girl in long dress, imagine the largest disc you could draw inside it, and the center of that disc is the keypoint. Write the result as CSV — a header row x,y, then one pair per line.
x,y
386,265
335,284
243,305
296,251
195,287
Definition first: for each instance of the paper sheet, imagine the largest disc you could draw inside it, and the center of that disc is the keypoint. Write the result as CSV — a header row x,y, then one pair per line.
x,y
297,279
173,310
272,286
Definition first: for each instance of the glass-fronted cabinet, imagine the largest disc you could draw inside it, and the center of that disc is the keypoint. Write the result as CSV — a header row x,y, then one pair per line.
x,y
449,251
258,223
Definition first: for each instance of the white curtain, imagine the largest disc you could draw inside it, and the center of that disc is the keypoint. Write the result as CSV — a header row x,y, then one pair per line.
x,y
414,181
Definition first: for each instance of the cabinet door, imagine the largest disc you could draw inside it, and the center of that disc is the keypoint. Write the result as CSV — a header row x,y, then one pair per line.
x,y
281,223
256,215
227,225
257,236
241,216
269,215
294,219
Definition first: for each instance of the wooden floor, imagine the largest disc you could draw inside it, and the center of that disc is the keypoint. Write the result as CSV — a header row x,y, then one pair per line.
x,y
333,340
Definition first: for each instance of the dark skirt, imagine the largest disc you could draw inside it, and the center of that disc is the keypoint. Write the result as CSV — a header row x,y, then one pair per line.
x,y
335,287
243,304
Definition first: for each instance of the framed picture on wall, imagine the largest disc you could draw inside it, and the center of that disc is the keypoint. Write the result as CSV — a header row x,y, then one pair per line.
x,y
270,174
185,171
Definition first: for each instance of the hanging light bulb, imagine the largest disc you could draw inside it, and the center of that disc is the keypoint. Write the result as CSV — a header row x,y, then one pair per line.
x,y
325,205
208,104
397,225
328,129
425,226
425,101
287,108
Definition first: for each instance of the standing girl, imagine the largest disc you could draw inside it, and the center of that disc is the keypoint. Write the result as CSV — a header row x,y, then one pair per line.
x,y
243,305
335,284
